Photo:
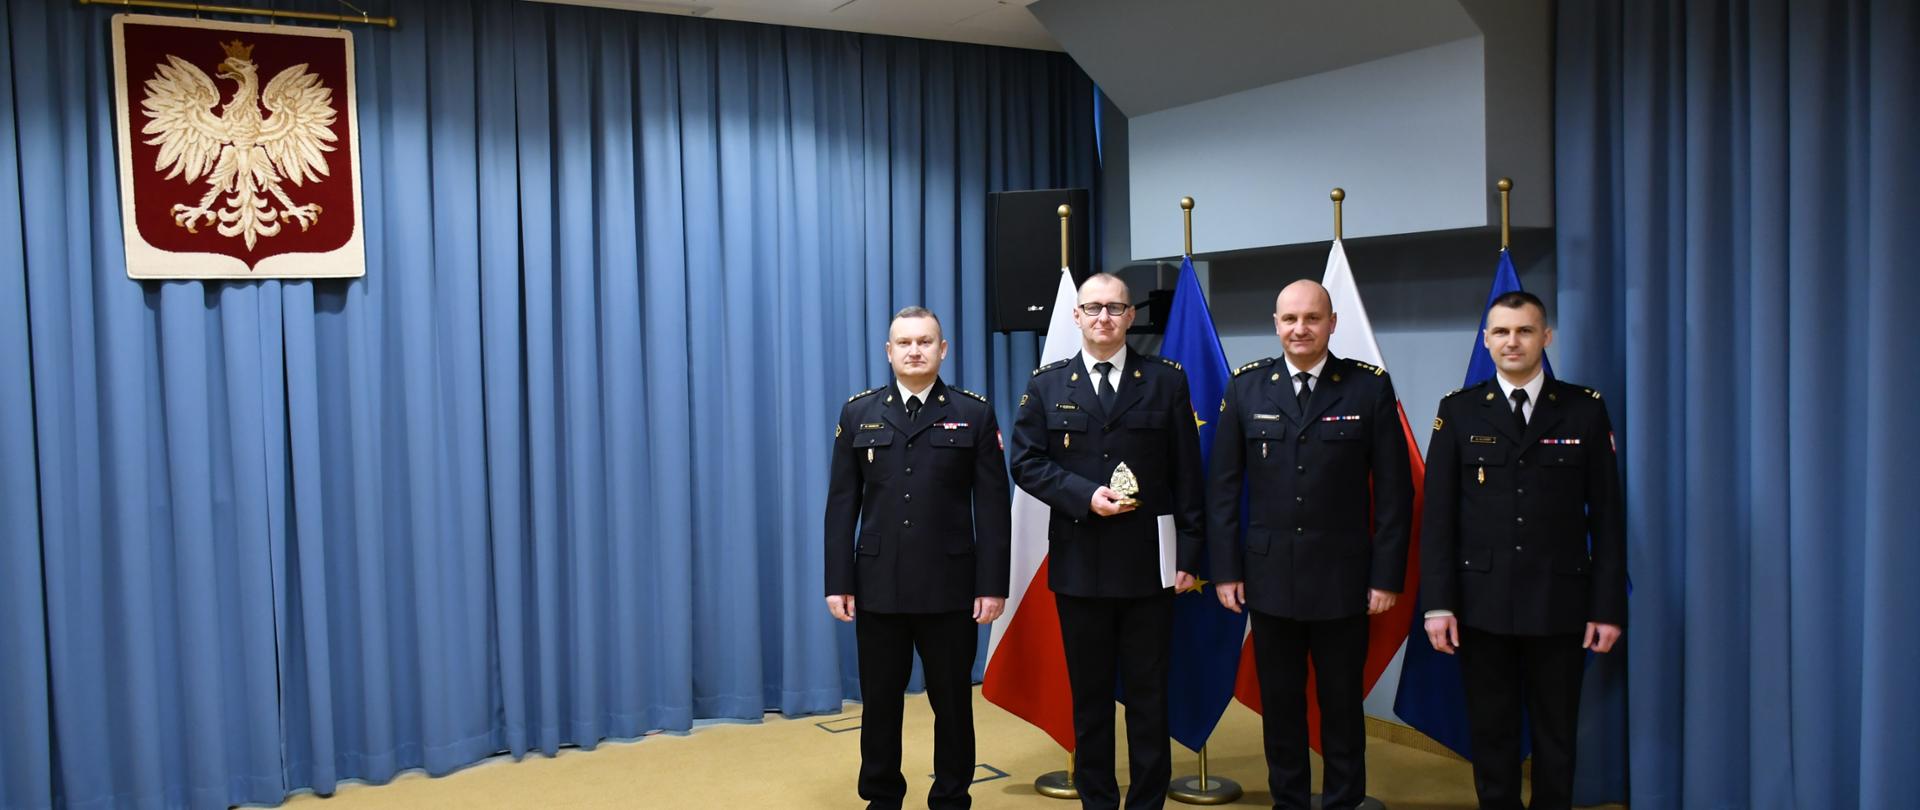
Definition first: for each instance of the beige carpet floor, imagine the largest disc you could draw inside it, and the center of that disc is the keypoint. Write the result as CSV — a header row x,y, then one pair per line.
x,y
811,762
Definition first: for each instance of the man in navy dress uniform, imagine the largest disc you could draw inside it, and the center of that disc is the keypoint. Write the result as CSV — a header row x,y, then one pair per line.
x,y
1316,440
1112,580
1524,564
917,525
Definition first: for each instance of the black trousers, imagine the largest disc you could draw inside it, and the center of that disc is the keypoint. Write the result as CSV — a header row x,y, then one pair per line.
x,y
946,643
1131,638
1498,670
1338,648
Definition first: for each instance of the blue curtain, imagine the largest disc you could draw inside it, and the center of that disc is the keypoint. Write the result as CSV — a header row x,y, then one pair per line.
x,y
26,762
552,472
1736,205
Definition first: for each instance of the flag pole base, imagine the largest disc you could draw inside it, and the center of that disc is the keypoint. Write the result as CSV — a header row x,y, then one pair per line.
x,y
1368,803
1056,785
1211,790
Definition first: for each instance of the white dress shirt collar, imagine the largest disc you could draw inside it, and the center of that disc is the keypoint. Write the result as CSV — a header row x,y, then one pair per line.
x,y
1294,371
1532,387
923,393
1119,361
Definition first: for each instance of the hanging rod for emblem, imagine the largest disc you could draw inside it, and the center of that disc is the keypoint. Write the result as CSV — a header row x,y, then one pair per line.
x,y
271,13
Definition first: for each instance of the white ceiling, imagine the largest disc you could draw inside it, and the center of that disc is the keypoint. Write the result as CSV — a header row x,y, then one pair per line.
x,y
986,22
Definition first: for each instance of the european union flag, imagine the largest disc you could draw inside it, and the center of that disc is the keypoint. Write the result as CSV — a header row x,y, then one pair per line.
x,y
1480,366
1206,636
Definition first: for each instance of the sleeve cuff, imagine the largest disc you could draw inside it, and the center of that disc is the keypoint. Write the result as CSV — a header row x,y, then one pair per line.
x,y
1439,614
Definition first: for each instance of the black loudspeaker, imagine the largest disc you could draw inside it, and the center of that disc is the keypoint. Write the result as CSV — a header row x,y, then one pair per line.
x,y
1023,254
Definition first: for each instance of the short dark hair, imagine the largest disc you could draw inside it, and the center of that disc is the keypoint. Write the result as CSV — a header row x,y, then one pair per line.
x,y
917,311
1112,278
1518,299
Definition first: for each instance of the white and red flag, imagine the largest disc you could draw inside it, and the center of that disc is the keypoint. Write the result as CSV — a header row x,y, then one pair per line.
x,y
1026,664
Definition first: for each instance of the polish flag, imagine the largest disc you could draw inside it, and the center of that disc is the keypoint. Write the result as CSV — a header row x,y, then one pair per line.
x,y
1026,664
1387,631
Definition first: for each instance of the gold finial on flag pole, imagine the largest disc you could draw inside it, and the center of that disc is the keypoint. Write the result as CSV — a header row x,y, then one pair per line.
x,y
1506,216
1186,211
1066,211
1339,195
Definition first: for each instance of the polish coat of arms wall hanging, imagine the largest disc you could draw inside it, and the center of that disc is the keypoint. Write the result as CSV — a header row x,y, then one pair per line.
x,y
239,150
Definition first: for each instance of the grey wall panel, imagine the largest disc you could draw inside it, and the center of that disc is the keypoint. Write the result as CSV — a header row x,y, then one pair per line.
x,y
1404,135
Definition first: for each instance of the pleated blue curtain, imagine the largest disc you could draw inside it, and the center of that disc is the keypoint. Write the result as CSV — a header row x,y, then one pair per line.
x,y
1736,206
26,764
553,471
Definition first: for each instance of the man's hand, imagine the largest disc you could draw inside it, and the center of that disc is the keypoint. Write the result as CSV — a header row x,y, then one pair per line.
x,y
1443,632
987,608
1106,503
841,606
1379,601
1182,582
1232,594
1600,637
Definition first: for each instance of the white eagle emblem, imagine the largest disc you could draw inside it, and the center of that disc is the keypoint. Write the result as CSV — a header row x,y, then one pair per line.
x,y
240,153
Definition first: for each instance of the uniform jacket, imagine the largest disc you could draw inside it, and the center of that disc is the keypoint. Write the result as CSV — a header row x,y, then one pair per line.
x,y
1330,491
1065,446
1523,534
917,510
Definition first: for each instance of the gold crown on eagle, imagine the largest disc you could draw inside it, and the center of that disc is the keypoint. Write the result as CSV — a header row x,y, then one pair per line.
x,y
237,50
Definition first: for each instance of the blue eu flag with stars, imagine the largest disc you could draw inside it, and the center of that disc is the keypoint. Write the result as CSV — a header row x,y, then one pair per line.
x,y
1206,636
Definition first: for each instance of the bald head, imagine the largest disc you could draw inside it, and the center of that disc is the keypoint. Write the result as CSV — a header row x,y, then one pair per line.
x,y
1302,294
1303,318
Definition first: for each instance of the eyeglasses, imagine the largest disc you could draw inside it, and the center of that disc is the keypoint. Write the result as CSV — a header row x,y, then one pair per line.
x,y
1116,309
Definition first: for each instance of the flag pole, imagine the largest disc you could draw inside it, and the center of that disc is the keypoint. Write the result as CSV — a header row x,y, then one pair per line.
x,y
1186,212
1338,196
1066,212
1059,784
1200,789
1506,216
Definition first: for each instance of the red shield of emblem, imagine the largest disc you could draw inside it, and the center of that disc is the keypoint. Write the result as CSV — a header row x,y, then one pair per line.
x,y
238,150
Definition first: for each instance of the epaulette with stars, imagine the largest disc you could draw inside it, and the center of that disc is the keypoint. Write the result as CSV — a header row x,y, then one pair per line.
x,y
1572,387
1377,371
1261,363
968,393
1051,366
867,393
1173,363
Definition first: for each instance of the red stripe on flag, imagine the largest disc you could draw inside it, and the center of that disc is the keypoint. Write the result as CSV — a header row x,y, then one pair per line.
x,y
1028,672
1385,632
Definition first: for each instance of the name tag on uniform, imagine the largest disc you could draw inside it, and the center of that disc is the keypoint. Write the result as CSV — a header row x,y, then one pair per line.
x,y
1065,406
952,425
1266,417
1483,439
1559,441
1347,418
872,426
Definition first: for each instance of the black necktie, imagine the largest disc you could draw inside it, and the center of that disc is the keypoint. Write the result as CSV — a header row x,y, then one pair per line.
x,y
913,408
1305,391
1520,410
1102,386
